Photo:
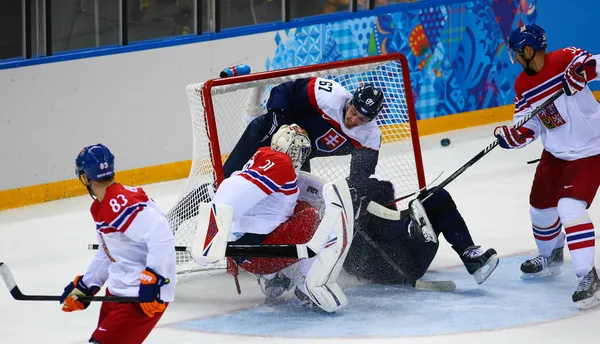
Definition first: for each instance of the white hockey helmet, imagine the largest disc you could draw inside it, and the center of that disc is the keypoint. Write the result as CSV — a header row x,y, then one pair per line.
x,y
293,141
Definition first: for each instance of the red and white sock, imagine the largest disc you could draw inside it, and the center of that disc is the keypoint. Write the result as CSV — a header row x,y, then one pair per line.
x,y
547,230
580,234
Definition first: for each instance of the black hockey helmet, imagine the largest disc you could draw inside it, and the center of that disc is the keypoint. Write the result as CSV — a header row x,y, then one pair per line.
x,y
368,100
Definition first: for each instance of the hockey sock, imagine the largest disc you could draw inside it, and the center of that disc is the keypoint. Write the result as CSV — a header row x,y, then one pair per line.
x,y
446,219
546,226
580,233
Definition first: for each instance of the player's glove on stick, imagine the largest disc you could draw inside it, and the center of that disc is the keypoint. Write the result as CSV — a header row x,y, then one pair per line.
x,y
577,75
69,298
149,293
509,137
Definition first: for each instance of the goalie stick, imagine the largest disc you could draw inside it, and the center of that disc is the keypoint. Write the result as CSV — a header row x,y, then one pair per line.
x,y
392,214
416,284
263,251
18,295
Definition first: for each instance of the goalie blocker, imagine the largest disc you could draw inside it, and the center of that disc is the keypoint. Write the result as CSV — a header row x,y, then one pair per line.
x,y
330,242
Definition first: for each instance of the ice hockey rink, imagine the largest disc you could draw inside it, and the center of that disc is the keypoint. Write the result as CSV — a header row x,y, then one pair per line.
x,y
46,246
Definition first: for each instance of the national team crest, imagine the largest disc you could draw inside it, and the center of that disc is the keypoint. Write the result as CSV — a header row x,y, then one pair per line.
x,y
331,141
550,117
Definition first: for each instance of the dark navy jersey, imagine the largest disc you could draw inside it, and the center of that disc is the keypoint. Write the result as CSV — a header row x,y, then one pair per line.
x,y
317,105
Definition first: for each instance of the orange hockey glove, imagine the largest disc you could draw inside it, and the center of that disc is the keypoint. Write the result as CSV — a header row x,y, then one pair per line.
x,y
149,294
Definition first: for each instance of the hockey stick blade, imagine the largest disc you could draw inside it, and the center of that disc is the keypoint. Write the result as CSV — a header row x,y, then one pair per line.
x,y
18,295
434,285
254,251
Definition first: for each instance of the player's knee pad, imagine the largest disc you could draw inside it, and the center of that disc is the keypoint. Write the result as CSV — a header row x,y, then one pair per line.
x,y
543,218
439,200
570,209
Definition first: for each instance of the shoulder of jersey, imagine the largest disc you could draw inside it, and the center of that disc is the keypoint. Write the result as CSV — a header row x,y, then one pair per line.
x,y
121,202
273,165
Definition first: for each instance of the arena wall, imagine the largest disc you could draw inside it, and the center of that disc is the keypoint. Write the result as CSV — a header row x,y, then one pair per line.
x,y
133,100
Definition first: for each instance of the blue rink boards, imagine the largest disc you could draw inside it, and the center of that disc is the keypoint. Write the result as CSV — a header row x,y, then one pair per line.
x,y
504,300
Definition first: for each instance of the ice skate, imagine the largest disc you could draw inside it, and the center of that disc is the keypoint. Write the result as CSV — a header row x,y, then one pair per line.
x,y
587,294
274,286
303,300
541,267
480,264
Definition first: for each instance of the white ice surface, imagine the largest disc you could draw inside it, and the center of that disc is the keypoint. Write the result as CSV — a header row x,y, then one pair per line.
x,y
45,247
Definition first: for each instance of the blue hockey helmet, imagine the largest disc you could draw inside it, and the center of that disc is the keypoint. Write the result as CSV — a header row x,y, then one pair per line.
x,y
96,162
368,100
527,35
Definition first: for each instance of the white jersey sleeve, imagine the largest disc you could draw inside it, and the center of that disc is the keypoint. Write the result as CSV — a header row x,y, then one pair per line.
x,y
97,271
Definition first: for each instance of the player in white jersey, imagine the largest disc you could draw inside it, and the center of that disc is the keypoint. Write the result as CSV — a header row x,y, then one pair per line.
x,y
137,256
264,196
567,178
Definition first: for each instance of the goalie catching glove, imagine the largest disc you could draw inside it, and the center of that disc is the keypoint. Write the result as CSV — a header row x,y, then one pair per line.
x,y
69,298
149,293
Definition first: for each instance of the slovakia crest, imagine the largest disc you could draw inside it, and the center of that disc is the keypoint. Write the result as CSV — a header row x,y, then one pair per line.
x,y
331,141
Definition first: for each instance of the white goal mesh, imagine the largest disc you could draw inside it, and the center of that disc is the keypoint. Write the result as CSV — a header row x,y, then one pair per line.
x,y
222,108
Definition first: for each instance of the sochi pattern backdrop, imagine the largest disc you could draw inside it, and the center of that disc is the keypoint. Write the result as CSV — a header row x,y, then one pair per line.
x,y
457,52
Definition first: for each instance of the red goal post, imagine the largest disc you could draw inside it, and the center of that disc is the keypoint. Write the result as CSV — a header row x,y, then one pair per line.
x,y
221,109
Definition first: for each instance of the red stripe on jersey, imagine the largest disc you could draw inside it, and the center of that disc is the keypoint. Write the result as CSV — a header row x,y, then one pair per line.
x,y
579,228
277,167
260,185
288,192
107,230
582,244
313,101
130,219
547,93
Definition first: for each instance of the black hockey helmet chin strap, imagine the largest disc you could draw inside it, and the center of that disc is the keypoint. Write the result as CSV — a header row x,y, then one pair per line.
x,y
86,182
528,68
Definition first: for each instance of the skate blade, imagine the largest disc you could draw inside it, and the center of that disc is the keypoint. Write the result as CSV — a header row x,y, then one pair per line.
x,y
548,272
590,302
485,271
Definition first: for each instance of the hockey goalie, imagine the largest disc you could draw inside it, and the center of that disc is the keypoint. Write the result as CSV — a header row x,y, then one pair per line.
x,y
270,202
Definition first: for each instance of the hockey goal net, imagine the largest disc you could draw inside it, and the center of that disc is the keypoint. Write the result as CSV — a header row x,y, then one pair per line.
x,y
222,108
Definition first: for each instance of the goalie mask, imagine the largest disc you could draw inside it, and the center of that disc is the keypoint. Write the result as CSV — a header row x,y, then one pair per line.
x,y
293,141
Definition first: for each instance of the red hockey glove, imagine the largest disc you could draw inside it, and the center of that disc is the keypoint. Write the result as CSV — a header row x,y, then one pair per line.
x,y
577,75
149,293
509,137
69,298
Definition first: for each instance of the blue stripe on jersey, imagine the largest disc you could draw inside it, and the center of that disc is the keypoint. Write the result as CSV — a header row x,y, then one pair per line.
x,y
122,218
264,180
289,185
534,92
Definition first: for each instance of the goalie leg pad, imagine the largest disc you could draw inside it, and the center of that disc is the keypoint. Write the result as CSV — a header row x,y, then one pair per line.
x,y
212,233
320,283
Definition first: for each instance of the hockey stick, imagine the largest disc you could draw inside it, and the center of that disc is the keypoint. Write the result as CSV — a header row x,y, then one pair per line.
x,y
18,295
383,212
395,214
264,251
417,284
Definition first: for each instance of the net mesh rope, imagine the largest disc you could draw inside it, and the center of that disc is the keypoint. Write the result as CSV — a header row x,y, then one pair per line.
x,y
236,104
